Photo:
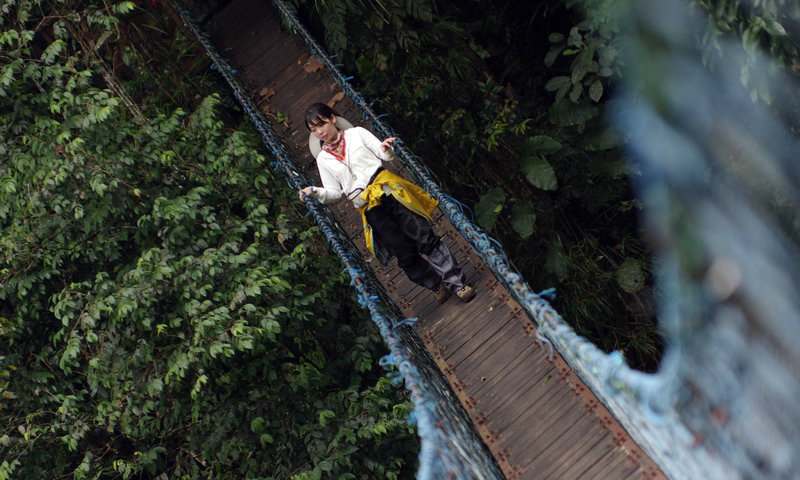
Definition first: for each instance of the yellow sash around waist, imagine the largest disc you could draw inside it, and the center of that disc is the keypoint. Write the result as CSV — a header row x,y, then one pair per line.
x,y
409,195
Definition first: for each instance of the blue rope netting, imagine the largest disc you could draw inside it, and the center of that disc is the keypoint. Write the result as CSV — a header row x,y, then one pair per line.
x,y
449,447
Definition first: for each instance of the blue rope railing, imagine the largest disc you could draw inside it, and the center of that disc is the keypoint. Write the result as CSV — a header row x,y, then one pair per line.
x,y
449,447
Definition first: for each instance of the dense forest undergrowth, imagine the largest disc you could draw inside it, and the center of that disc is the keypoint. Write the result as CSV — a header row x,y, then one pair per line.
x,y
167,310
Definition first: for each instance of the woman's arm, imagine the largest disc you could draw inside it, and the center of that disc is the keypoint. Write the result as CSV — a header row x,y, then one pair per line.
x,y
331,190
382,150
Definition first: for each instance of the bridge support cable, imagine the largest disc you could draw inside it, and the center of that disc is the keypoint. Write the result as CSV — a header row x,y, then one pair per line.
x,y
449,446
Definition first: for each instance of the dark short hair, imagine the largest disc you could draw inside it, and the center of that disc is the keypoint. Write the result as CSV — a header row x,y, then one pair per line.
x,y
319,113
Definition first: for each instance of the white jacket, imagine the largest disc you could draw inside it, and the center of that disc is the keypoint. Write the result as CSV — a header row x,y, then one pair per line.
x,y
363,156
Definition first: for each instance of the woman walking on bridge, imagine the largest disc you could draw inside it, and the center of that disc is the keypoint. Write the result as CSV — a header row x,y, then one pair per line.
x,y
396,213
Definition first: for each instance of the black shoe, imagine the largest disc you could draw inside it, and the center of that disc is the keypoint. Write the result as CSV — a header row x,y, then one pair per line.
x,y
441,294
466,293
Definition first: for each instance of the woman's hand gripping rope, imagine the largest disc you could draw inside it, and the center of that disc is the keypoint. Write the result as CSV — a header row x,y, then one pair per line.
x,y
387,144
305,193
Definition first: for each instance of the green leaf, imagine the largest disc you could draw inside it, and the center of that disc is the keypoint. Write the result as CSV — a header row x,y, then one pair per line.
x,y
198,385
541,144
539,172
596,90
776,29
257,425
575,38
123,7
552,55
8,37
7,468
556,83
324,415
564,113
52,51
266,439
489,207
523,218
9,185
582,65
606,139
576,92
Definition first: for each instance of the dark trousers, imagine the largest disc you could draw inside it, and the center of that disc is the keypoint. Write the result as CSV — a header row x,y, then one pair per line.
x,y
408,236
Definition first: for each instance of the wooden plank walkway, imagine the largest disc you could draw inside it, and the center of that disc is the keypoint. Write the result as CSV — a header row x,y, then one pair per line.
x,y
536,416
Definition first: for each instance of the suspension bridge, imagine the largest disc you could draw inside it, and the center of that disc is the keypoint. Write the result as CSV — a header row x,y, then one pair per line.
x,y
502,386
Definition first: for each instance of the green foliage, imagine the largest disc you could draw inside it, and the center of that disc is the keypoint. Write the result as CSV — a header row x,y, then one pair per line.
x,y
761,26
389,17
566,113
523,218
489,207
169,312
539,172
592,47
535,166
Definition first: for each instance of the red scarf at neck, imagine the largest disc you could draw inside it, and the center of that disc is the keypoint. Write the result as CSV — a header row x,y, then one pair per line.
x,y
336,149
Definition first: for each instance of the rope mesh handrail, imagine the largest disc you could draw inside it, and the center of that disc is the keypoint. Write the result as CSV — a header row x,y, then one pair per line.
x,y
441,455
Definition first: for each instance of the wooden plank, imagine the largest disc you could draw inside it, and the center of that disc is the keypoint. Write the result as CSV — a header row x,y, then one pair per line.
x,y
502,335
300,95
268,56
541,400
573,432
597,463
458,351
243,44
549,454
457,331
238,16
513,391
490,333
584,455
496,379
609,466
